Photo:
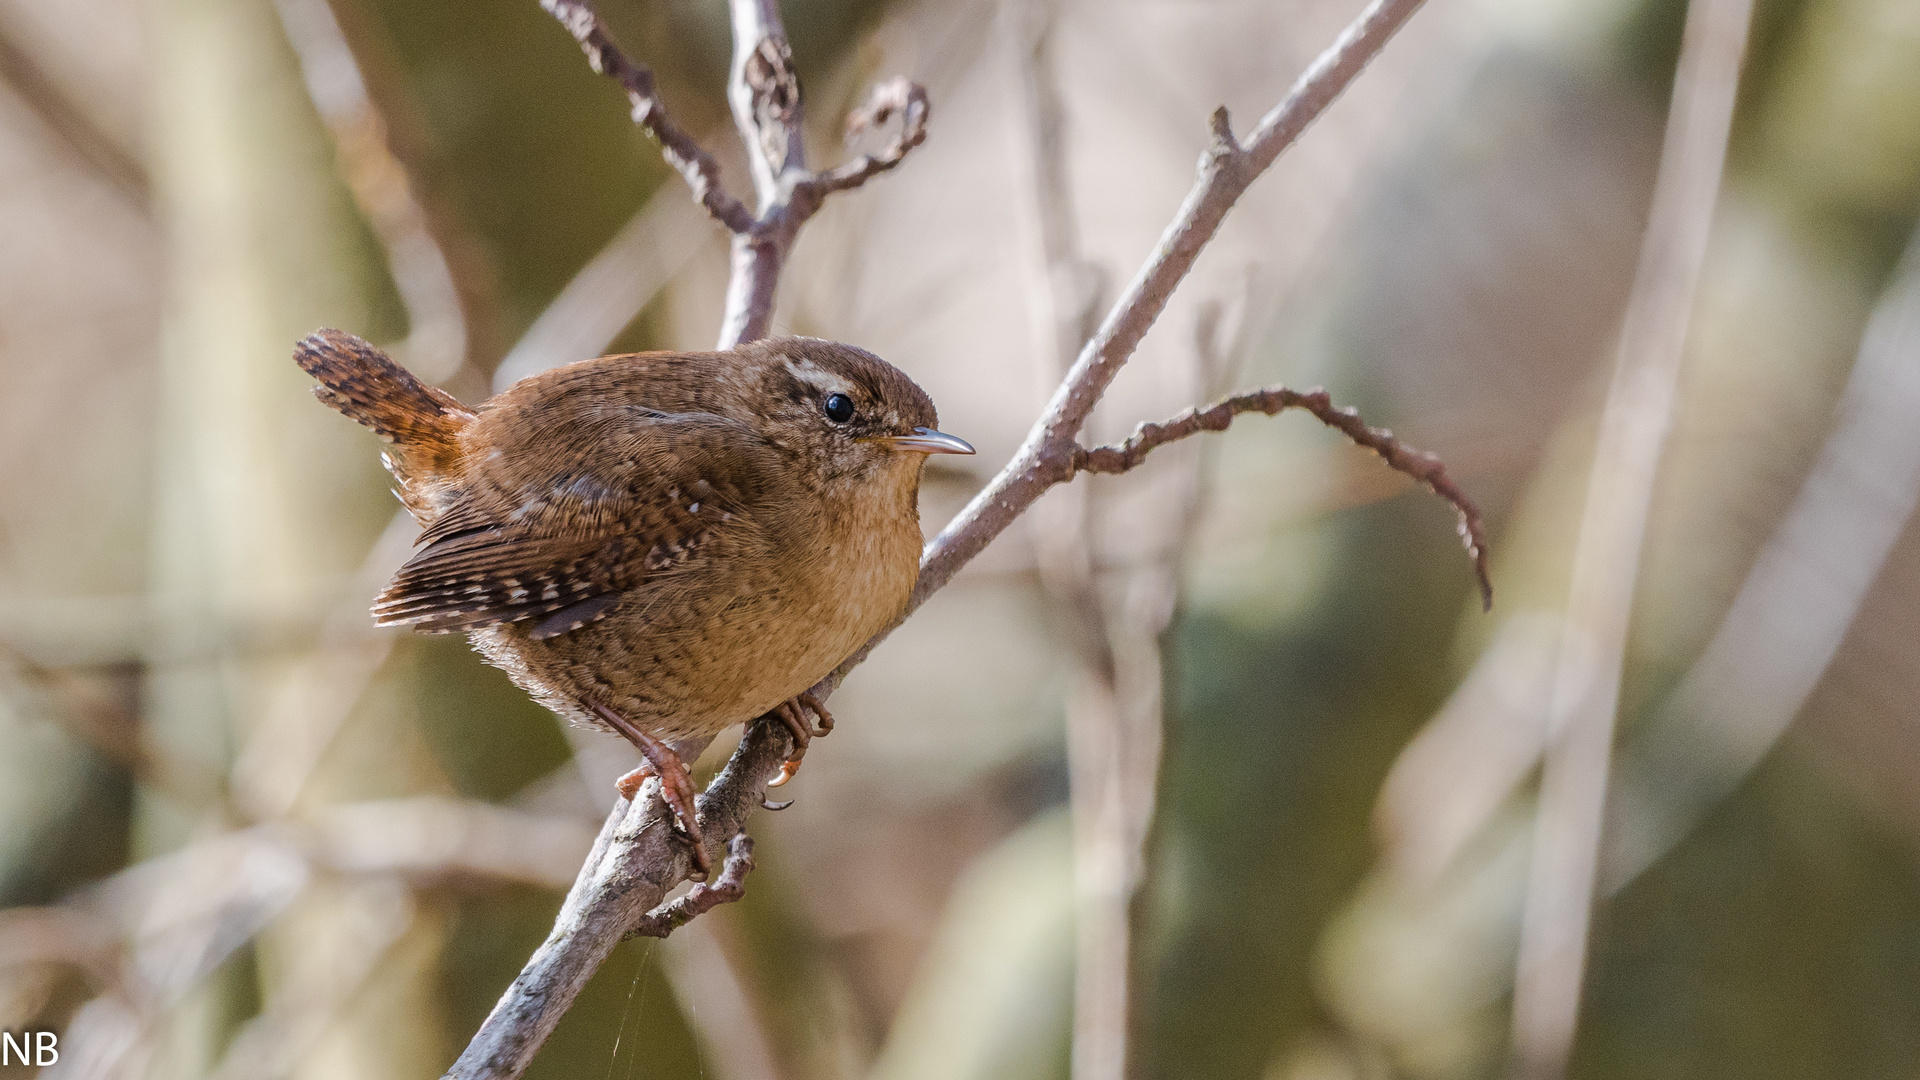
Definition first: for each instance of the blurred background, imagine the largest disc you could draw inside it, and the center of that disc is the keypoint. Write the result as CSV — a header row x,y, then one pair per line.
x,y
244,834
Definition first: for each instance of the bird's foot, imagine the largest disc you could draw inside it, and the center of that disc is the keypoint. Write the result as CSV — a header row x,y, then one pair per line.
x,y
676,782
791,714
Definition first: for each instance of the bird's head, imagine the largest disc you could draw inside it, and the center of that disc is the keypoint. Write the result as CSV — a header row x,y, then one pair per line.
x,y
855,418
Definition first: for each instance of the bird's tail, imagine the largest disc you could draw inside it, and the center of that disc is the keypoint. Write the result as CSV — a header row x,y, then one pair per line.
x,y
421,422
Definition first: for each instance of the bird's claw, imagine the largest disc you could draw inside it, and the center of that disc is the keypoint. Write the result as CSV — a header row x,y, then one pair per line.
x,y
790,713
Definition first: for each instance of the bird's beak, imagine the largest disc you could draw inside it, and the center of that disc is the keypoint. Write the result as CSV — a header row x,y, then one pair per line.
x,y
926,441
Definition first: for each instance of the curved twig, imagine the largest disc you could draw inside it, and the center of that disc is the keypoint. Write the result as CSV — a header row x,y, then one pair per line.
x,y
895,97
730,886
1418,464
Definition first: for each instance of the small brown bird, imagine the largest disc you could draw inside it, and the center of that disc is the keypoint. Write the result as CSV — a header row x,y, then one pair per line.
x,y
661,544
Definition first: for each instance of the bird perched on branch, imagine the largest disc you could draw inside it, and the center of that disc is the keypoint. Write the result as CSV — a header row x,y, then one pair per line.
x,y
659,544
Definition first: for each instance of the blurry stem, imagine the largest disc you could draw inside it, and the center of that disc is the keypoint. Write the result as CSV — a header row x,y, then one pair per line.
x,y
1795,607
1110,726
307,1004
111,729
611,290
71,120
1633,431
438,341
1107,854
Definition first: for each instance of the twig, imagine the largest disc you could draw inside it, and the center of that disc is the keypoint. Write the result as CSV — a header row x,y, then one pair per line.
x,y
1418,464
694,164
1626,463
730,886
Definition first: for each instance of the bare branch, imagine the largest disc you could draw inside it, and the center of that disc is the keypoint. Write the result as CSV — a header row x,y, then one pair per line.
x,y
1418,464
895,97
695,165
730,886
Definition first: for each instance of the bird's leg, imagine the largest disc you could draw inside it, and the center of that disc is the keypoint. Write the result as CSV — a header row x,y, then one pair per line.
x,y
789,712
676,780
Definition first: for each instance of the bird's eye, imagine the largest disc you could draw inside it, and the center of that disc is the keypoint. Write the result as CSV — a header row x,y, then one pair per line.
x,y
839,408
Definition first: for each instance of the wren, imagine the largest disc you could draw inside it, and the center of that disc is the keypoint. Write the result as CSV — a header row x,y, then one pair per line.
x,y
659,544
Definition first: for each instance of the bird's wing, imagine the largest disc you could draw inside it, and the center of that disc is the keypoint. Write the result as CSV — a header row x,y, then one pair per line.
x,y
607,514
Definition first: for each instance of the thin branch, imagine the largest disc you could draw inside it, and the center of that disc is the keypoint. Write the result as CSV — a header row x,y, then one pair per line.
x,y
694,164
1418,464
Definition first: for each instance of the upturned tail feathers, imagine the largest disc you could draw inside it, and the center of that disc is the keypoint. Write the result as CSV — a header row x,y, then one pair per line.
x,y
365,384
422,422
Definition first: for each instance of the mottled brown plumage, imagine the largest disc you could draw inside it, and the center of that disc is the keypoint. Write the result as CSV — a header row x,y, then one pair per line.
x,y
662,544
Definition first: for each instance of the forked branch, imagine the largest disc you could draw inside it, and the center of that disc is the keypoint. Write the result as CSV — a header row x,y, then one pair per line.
x,y
765,94
1227,168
